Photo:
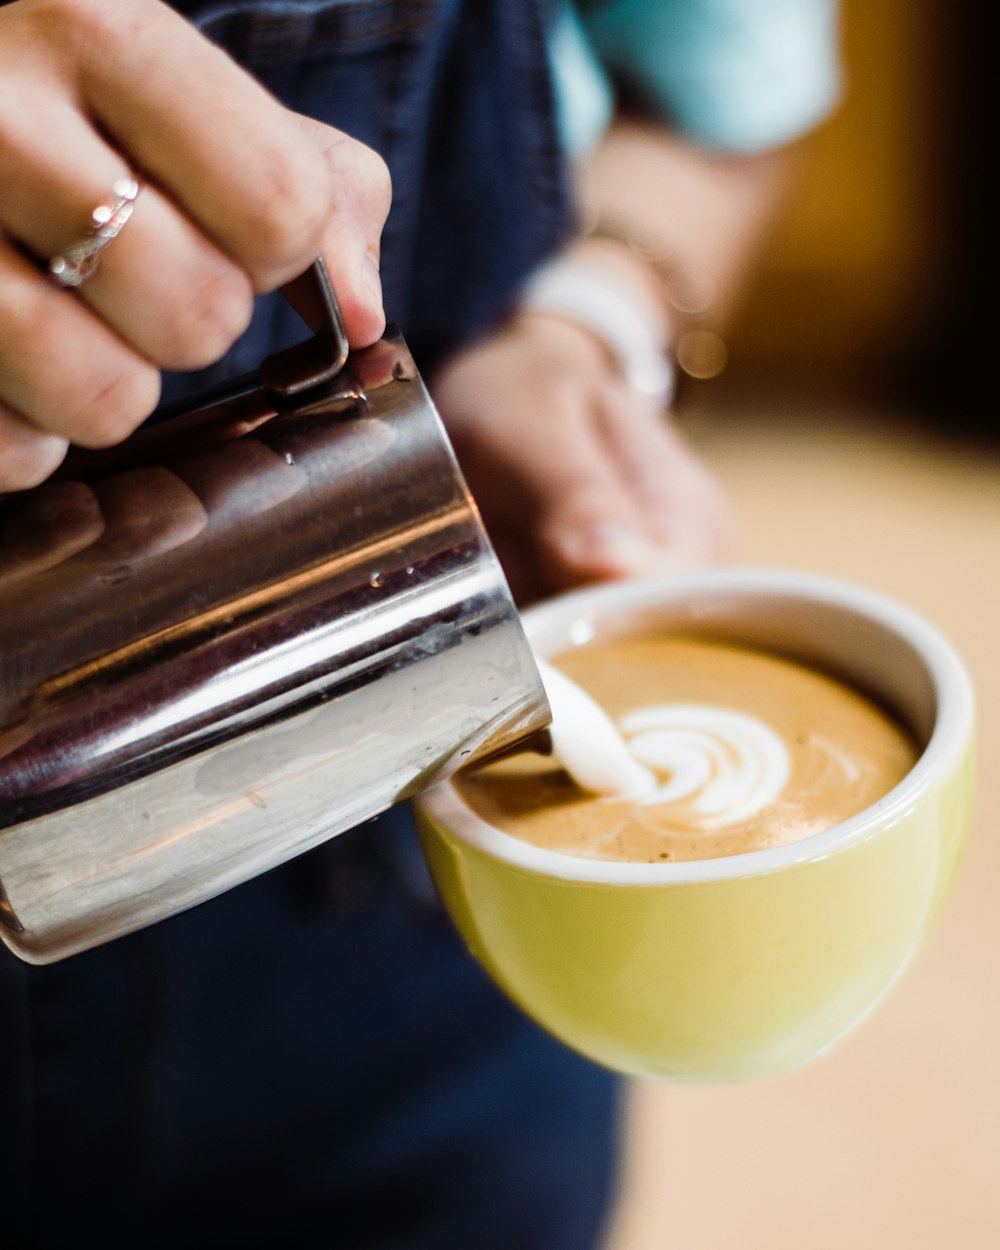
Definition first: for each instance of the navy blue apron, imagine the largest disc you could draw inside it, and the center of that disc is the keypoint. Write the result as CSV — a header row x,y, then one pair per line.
x,y
313,1059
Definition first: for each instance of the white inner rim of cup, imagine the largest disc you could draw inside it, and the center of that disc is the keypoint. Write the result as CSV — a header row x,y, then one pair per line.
x,y
719,602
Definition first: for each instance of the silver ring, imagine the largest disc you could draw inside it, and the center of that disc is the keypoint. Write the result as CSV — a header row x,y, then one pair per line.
x,y
79,261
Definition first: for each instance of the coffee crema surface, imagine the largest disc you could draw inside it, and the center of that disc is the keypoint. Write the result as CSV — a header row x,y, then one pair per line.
x,y
748,750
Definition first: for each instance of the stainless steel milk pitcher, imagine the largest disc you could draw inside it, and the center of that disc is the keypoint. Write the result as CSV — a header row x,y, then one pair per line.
x,y
254,624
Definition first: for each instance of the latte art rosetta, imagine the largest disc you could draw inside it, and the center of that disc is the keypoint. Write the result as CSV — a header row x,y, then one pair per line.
x,y
741,750
730,765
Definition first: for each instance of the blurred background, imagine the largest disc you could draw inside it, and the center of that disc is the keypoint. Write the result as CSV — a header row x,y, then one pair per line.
x,y
855,430
875,285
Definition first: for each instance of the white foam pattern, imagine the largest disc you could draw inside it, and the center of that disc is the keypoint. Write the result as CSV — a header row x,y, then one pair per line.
x,y
728,764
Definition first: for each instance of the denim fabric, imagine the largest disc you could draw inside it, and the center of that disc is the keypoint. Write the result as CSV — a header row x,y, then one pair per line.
x,y
457,99
310,1060
313,1059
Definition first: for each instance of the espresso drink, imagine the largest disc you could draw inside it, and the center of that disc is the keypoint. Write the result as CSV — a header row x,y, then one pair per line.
x,y
746,750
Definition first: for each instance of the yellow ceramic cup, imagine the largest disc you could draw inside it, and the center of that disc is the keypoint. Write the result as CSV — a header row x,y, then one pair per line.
x,y
734,968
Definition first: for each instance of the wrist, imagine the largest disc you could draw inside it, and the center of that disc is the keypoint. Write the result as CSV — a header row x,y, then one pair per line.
x,y
586,289
686,295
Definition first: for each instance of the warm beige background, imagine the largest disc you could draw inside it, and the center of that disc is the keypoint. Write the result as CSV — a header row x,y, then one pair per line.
x,y
893,1141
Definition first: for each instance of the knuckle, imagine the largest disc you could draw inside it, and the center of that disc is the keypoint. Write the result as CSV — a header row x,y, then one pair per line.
x,y
301,189
63,35
364,188
212,315
293,204
100,397
116,407
375,181
78,23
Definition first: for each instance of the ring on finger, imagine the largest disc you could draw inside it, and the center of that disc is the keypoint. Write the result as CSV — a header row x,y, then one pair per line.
x,y
78,263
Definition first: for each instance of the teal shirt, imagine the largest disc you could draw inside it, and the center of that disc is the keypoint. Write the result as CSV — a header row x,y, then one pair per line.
x,y
737,76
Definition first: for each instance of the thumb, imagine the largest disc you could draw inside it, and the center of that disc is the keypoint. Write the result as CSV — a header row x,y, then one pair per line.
x,y
351,245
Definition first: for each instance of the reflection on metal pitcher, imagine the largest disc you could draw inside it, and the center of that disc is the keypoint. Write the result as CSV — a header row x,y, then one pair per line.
x,y
251,626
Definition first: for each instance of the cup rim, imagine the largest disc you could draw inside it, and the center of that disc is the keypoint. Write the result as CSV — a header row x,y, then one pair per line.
x,y
952,725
